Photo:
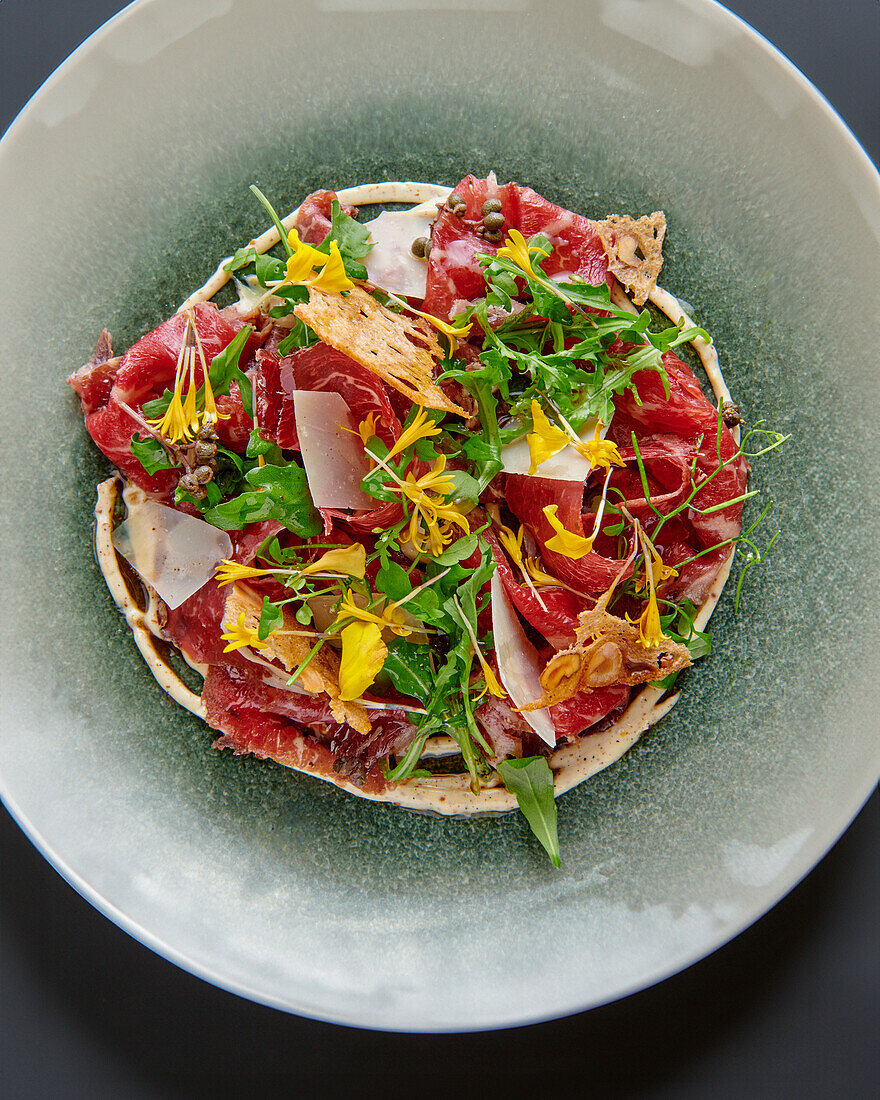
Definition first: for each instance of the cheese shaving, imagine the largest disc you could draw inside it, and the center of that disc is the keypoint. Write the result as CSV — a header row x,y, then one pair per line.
x,y
320,676
624,238
400,350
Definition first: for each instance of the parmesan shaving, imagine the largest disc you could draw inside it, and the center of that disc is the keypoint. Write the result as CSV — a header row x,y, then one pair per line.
x,y
332,452
400,350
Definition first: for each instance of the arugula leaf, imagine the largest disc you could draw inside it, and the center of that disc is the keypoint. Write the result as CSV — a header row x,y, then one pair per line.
x,y
354,239
151,454
241,258
280,492
531,780
300,336
410,669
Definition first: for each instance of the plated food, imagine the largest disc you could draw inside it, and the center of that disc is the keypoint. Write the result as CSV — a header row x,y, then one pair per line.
x,y
435,509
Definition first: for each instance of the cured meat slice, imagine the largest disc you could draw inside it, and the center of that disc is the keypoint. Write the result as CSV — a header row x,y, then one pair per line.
x,y
454,275
313,219
527,497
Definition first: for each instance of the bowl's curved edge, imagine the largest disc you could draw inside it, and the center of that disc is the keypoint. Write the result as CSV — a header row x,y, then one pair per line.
x,y
796,870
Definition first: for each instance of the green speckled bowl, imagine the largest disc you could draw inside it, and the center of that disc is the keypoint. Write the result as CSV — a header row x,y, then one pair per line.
x,y
122,184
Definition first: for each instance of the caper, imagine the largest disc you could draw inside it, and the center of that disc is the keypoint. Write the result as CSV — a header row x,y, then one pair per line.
x,y
207,431
205,450
454,200
493,220
491,206
492,235
203,474
420,247
189,483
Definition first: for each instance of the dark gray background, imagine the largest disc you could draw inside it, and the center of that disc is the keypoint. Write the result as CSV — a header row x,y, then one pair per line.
x,y
788,1009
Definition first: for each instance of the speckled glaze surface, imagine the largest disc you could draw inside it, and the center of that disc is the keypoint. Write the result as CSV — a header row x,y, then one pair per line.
x,y
122,184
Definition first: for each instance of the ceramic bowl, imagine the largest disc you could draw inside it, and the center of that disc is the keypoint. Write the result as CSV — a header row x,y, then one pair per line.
x,y
122,184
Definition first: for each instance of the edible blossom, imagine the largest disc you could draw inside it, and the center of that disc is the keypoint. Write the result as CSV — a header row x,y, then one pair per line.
x,y
300,269
303,259
650,631
567,543
599,452
518,252
545,440
422,427
332,279
448,328
238,635
391,617
367,427
363,655
183,418
537,575
512,543
433,518
347,561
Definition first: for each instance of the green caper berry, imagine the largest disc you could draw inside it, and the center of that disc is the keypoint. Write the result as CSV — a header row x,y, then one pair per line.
x,y
203,474
493,220
190,484
454,200
491,206
419,247
492,235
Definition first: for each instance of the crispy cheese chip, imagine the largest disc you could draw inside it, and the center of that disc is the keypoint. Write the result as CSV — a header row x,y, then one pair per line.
x,y
624,239
321,675
607,651
400,350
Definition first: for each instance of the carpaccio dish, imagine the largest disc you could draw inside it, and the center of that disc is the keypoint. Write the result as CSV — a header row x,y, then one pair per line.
x,y
434,508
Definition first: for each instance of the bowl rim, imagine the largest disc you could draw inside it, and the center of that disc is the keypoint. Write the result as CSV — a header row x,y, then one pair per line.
x,y
801,865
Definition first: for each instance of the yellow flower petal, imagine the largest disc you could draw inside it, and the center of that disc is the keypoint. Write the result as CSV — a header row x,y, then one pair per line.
x,y
492,684
533,568
238,635
349,560
545,440
333,279
512,543
650,633
422,427
599,452
231,571
367,427
363,655
392,618
565,542
516,250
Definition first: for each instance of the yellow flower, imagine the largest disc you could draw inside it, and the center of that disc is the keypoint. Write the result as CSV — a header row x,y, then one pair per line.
x,y
348,560
183,417
363,655
533,569
305,257
422,427
238,635
517,251
545,440
231,571
434,481
599,452
332,279
512,543
650,634
391,617
566,542
367,427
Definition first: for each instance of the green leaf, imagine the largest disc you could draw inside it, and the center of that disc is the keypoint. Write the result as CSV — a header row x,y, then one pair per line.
x,y
354,239
393,580
279,492
410,669
531,780
300,336
151,454
459,550
271,617
241,258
